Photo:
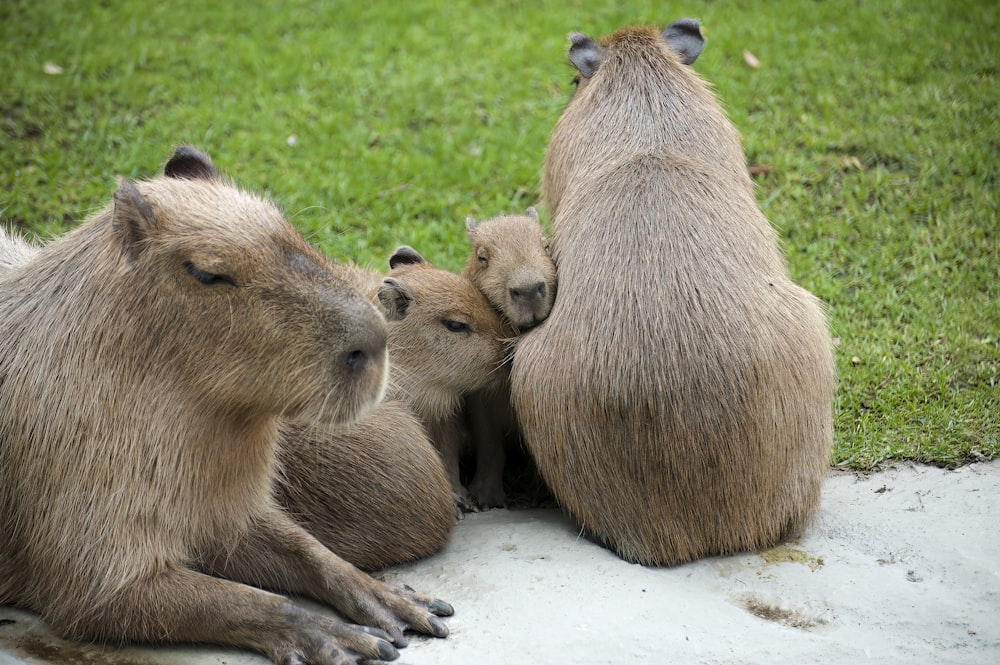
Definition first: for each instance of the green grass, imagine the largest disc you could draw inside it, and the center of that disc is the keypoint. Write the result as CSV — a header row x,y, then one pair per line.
x,y
879,122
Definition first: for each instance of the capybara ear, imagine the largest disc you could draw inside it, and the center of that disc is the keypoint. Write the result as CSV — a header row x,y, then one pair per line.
x,y
470,227
585,54
395,297
188,162
405,256
532,213
132,219
684,36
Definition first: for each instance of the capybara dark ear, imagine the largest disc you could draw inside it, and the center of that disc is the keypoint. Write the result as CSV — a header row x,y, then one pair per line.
x,y
405,256
684,36
395,297
132,219
585,54
188,162
532,213
470,227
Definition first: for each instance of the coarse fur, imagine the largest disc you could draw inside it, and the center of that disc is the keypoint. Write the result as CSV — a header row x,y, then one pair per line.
x,y
510,262
678,399
375,493
146,360
14,251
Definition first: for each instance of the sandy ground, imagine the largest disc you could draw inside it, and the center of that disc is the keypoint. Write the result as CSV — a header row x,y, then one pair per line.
x,y
901,566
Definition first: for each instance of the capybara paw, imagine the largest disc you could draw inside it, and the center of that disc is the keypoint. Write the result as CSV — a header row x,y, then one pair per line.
x,y
463,504
396,609
335,643
486,496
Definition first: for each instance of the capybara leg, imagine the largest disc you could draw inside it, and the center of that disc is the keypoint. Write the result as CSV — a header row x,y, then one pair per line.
x,y
489,419
277,553
181,605
447,437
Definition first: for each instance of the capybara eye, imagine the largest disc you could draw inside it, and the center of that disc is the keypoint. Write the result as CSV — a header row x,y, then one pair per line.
x,y
208,277
455,326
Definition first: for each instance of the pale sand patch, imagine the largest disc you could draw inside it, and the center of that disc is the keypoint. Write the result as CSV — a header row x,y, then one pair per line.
x,y
901,566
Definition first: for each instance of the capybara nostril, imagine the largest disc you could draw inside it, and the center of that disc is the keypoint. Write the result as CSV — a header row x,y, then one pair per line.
x,y
356,359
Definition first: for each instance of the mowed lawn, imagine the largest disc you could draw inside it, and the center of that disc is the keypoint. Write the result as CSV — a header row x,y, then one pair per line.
x,y
874,127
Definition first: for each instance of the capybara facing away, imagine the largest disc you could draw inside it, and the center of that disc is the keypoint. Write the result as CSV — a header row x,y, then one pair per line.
x,y
510,262
678,399
146,360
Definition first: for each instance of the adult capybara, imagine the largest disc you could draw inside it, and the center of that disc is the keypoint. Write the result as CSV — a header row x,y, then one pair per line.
x,y
443,342
146,360
678,399
509,261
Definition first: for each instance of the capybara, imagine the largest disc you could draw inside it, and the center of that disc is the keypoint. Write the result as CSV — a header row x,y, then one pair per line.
x,y
678,399
509,261
375,493
146,360
443,342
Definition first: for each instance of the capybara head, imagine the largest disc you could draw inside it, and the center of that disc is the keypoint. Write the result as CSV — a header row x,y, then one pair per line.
x,y
445,340
636,94
511,264
238,307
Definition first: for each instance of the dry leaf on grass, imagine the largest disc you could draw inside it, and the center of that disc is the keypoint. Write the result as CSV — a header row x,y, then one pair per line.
x,y
750,59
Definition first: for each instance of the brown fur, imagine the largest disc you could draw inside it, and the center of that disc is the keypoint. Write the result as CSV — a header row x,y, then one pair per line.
x,y
511,264
678,399
375,493
449,343
146,360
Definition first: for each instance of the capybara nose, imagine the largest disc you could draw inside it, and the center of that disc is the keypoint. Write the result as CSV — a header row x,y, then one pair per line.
x,y
366,350
526,292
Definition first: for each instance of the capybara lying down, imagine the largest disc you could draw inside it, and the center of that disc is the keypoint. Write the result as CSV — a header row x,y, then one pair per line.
x,y
678,399
147,359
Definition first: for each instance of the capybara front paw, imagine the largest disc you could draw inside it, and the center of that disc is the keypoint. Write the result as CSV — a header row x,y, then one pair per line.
x,y
331,642
396,609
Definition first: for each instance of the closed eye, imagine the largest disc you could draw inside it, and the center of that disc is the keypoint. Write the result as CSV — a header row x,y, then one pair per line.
x,y
455,326
207,277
